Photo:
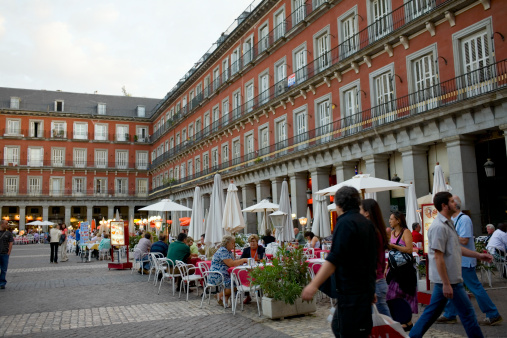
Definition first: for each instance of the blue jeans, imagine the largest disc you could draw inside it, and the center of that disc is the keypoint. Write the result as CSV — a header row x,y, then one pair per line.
x,y
4,263
438,301
146,265
381,292
472,283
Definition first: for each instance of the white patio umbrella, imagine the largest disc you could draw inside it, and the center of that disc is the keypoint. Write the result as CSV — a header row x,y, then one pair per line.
x,y
364,183
117,217
175,226
214,230
35,223
167,205
287,233
308,218
439,180
321,225
196,226
233,220
411,203
331,207
263,206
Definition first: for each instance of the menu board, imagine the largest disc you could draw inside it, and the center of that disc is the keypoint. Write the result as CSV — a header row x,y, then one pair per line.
x,y
429,214
84,232
117,233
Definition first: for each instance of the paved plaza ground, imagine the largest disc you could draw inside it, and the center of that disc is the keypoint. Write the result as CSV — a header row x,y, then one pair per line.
x,y
73,299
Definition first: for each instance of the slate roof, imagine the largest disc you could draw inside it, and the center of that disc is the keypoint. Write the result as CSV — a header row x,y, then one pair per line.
x,y
77,103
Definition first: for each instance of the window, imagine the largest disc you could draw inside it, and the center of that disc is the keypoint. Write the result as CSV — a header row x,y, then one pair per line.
x,y
78,186
35,156
225,112
206,122
322,54
59,105
216,78
178,140
13,127
264,88
205,162
225,155
417,8
121,186
36,129
382,25
247,51
57,157
236,152
225,70
101,132
122,133
79,158
191,99
298,11
178,107
350,107
100,158
264,140
300,63
279,24
177,173
11,155
317,3
166,146
100,186
348,27
236,104
281,134
142,187
15,102
141,111
171,174
189,169
263,38
214,158
11,185
142,134
184,105
122,158
101,108
206,84
184,135
249,97
34,186
58,129
56,186
383,94
249,147
301,127
280,77
80,131
422,77
235,62
198,127
323,109
197,165
171,143
198,91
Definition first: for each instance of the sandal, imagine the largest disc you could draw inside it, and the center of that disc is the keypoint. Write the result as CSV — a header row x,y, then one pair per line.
x,y
220,301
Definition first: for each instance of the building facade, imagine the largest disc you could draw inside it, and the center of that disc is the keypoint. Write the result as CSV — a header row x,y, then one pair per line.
x,y
314,92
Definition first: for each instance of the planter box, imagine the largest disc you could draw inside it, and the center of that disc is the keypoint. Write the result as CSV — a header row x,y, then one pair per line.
x,y
278,309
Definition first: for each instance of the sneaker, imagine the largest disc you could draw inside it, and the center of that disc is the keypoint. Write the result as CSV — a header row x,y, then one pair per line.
x,y
445,320
146,272
491,321
2,287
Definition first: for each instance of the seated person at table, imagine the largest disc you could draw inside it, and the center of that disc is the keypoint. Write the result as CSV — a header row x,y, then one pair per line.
x,y
498,240
105,243
268,238
254,251
194,251
160,246
222,260
142,252
298,237
416,234
313,240
179,250
200,245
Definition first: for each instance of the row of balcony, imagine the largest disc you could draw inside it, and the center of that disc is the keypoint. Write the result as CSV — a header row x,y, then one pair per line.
x,y
470,85
38,192
73,164
56,134
387,25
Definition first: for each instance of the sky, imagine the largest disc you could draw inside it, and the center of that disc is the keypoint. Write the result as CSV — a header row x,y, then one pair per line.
x,y
100,45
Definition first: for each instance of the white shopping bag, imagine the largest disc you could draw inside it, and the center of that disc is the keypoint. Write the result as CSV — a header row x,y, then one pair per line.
x,y
385,327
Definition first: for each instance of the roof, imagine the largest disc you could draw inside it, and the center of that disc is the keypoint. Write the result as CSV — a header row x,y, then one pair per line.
x,y
77,103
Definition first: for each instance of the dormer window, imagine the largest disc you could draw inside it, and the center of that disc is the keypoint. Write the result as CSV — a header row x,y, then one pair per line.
x,y
15,102
141,111
58,105
101,109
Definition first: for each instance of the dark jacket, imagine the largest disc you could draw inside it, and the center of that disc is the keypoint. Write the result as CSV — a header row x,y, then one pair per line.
x,y
268,239
260,252
159,247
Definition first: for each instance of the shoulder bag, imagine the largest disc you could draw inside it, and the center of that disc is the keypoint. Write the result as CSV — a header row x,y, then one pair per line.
x,y
62,239
397,258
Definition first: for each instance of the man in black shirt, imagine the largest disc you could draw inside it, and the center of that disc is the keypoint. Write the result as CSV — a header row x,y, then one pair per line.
x,y
353,261
6,241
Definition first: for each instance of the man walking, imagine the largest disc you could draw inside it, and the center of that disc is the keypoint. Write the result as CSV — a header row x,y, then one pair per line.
x,y
445,270
353,260
6,240
464,228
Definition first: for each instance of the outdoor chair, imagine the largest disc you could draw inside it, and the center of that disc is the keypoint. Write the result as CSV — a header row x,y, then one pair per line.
x,y
140,262
168,275
499,260
154,265
207,285
240,281
187,277
309,253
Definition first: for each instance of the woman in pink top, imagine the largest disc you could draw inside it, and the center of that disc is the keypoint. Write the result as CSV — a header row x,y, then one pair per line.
x,y
369,208
63,247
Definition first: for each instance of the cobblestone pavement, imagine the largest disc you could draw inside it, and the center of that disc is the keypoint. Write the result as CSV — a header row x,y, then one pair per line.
x,y
74,299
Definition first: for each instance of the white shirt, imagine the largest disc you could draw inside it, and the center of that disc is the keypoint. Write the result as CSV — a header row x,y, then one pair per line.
x,y
498,240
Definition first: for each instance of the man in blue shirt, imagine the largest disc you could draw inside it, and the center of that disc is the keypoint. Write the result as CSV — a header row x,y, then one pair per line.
x,y
464,228
160,246
78,238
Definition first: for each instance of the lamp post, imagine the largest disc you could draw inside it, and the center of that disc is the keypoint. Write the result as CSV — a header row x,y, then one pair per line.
x,y
278,218
303,221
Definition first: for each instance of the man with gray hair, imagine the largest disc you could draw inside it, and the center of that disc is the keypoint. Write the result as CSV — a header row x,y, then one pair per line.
x,y
464,228
490,228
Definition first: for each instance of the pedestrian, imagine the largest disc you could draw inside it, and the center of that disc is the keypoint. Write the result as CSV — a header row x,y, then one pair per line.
x,y
54,233
63,245
444,259
6,241
353,260
78,239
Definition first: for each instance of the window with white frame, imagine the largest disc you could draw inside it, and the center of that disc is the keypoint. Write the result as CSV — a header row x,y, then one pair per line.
x,y
236,104
225,154
383,95
264,140
198,91
142,133
191,131
415,9
235,61
36,129
11,155
80,130
15,101
122,158
58,129
122,133
100,158
178,140
225,112
191,99
322,54
11,185
78,186
350,100
189,169
59,105
263,38
166,146
216,118
247,50
206,122
121,186
380,15
79,157
198,125
317,3
101,132
298,11
56,186
236,151
281,133
57,157
301,127
324,118
299,62
225,70
35,156
206,86
101,108
184,135
34,186
249,90
280,77
171,174
141,111
177,173
249,146
214,157
264,87
184,104
197,165
348,29
423,79
205,162
171,142
100,186
216,78
279,24
13,127
142,186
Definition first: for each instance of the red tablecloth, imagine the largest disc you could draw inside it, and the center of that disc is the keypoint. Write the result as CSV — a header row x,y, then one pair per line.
x,y
315,267
243,274
198,271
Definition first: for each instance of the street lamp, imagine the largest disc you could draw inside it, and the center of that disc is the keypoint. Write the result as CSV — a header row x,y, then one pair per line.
x,y
489,167
278,218
303,221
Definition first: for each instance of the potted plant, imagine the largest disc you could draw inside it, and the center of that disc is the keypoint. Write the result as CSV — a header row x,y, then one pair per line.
x,y
135,138
282,284
258,160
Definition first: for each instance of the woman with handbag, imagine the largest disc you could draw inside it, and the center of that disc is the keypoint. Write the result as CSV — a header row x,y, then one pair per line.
x,y
54,241
401,276
63,244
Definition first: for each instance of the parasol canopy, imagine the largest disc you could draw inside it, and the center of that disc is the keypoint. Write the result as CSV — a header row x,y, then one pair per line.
x,y
364,183
196,227
214,231
321,226
233,220
165,205
287,233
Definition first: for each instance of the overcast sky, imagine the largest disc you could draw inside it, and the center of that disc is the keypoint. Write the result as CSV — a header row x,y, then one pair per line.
x,y
98,45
